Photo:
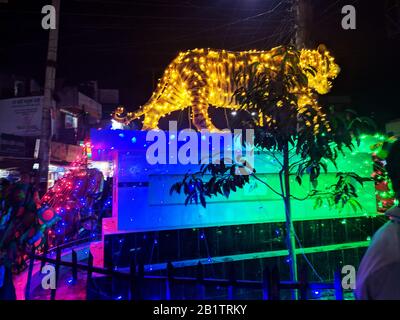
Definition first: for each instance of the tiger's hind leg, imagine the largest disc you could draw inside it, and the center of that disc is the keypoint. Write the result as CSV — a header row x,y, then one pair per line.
x,y
153,114
200,118
150,121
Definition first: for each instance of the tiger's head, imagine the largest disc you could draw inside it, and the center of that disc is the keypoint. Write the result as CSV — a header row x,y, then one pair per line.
x,y
320,68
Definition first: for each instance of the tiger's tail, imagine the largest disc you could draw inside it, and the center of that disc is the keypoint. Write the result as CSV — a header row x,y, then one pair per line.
x,y
122,116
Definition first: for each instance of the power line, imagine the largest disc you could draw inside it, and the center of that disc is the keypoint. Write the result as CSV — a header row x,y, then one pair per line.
x,y
158,4
242,45
191,35
119,16
329,14
183,37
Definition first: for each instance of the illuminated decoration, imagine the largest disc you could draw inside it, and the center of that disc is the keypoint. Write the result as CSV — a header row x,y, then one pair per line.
x,y
203,77
144,202
72,197
23,225
115,125
385,195
88,150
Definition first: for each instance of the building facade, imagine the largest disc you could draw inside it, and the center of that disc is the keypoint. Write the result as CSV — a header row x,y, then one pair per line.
x,y
76,110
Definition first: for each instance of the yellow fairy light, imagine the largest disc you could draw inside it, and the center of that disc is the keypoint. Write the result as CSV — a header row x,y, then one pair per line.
x,y
203,77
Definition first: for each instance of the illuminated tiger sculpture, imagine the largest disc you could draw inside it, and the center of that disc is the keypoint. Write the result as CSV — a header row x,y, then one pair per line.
x,y
203,77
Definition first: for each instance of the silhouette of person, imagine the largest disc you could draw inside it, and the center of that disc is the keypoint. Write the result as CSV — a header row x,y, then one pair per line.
x,y
378,276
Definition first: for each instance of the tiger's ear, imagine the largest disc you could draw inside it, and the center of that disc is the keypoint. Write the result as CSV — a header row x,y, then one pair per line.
x,y
120,109
322,48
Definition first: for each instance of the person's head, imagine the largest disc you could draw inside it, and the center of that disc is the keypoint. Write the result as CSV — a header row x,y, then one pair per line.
x,y
33,176
393,167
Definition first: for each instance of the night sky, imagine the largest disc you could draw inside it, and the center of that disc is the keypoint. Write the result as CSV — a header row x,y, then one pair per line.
x,y
127,44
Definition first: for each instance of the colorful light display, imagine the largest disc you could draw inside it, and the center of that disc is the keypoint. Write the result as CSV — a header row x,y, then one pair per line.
x,y
144,201
385,195
203,77
73,197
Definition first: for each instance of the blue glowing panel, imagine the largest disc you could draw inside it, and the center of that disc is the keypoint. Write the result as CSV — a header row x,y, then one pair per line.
x,y
144,202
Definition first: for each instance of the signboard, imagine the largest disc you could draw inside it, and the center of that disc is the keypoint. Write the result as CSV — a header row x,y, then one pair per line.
x,y
393,127
62,152
21,116
16,146
90,106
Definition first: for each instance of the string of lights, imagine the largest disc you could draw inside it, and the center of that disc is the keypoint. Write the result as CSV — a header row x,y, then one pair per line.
x,y
72,197
203,77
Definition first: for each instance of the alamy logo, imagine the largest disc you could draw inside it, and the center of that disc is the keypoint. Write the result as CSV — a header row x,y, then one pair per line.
x,y
349,278
201,148
349,20
49,280
49,20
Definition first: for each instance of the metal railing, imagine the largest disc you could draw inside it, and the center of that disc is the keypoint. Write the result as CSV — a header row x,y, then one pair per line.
x,y
271,285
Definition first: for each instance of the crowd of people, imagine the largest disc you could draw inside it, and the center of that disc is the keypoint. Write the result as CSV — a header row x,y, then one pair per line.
x,y
27,221
18,205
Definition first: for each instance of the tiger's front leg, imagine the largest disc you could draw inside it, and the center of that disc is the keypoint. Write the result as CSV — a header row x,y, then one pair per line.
x,y
150,121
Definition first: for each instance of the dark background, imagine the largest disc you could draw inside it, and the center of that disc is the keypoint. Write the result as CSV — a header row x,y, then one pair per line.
x,y
127,44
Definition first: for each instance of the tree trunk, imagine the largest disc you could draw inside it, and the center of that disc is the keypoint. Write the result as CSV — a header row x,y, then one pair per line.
x,y
290,235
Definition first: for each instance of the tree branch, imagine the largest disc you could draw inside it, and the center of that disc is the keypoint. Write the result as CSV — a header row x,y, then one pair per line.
x,y
266,184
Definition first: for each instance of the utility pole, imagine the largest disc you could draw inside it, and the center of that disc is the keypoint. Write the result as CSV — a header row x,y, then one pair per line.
x,y
392,18
303,13
48,107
